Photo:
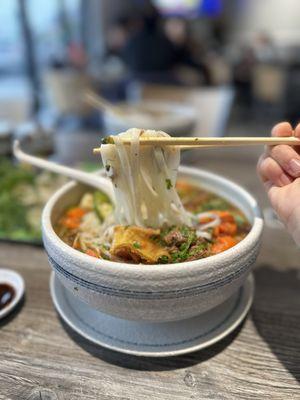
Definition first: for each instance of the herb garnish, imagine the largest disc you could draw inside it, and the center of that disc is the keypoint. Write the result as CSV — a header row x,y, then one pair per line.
x,y
169,184
163,259
190,236
239,219
137,245
107,140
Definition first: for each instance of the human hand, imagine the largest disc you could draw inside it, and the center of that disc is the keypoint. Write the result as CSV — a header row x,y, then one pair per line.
x,y
279,170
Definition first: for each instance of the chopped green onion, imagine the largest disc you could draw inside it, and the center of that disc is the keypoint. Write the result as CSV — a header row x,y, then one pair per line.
x,y
239,219
169,184
107,140
163,260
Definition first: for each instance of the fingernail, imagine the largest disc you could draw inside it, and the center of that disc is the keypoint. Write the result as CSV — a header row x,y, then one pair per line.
x,y
294,166
284,180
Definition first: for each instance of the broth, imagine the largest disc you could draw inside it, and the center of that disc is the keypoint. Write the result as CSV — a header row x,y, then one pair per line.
x,y
217,226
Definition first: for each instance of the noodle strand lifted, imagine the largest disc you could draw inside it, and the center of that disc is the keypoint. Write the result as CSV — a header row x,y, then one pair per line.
x,y
144,181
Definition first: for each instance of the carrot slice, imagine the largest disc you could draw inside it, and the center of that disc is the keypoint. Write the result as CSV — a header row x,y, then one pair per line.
x,y
225,216
226,228
183,187
205,220
71,223
73,218
91,253
76,212
223,243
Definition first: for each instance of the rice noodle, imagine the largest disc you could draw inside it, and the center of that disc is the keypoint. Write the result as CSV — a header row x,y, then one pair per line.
x,y
92,233
144,181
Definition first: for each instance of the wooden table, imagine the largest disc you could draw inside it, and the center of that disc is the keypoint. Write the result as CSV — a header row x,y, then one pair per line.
x,y
40,358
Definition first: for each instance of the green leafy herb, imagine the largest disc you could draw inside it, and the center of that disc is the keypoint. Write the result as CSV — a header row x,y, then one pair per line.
x,y
107,140
183,252
239,219
169,184
214,204
137,245
163,260
182,247
158,239
14,213
198,248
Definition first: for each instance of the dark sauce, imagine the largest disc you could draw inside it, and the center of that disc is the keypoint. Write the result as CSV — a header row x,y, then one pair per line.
x,y
7,293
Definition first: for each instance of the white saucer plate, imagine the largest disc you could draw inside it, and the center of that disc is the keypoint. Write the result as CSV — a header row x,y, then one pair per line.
x,y
15,280
152,339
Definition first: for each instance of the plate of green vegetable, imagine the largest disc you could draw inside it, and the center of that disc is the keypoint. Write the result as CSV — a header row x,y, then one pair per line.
x,y
23,193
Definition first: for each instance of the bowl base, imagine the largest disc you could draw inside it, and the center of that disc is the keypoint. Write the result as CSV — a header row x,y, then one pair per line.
x,y
152,339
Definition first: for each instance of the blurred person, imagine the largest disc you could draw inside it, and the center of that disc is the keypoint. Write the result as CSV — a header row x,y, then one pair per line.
x,y
264,48
191,67
114,74
116,38
148,50
242,74
151,56
176,30
119,32
279,170
219,32
77,56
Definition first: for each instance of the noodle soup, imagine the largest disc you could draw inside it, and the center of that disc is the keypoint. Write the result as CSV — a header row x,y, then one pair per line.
x,y
90,227
154,220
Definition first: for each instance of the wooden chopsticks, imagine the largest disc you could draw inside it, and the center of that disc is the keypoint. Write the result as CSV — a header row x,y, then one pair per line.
x,y
198,142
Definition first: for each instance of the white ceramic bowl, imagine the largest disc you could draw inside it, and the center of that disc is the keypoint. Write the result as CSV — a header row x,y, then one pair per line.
x,y
155,292
176,119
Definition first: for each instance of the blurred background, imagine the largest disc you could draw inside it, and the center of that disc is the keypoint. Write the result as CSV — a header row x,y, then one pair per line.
x,y
189,67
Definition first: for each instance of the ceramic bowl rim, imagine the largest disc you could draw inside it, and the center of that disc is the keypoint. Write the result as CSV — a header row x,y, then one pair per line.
x,y
98,265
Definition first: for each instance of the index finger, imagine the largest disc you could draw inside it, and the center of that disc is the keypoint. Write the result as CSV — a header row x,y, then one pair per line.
x,y
284,129
297,131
